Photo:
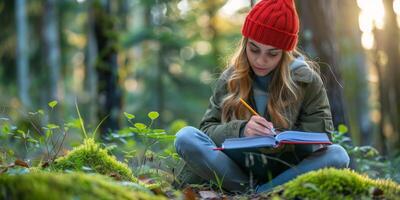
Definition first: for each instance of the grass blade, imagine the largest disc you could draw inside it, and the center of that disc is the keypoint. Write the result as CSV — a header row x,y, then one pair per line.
x,y
80,119
95,130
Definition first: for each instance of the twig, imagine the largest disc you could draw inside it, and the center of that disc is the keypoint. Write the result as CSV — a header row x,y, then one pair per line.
x,y
52,143
59,148
47,147
36,128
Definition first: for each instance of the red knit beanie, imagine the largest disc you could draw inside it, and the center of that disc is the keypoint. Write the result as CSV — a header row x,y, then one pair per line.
x,y
273,22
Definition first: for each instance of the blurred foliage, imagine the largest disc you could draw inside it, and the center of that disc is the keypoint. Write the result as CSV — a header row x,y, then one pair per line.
x,y
366,159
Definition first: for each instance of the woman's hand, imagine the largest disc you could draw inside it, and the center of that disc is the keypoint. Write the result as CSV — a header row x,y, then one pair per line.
x,y
258,126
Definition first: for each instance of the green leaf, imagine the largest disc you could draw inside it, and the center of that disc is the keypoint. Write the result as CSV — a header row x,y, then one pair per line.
x,y
41,140
6,128
48,133
129,116
342,128
21,132
52,104
10,152
32,113
153,115
52,126
130,154
159,131
140,126
111,147
87,169
133,129
40,111
74,123
162,136
32,140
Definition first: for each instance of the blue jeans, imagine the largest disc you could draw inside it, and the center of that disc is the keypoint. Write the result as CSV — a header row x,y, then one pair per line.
x,y
263,172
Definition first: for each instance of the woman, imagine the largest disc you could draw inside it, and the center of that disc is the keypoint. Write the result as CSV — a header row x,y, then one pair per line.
x,y
288,93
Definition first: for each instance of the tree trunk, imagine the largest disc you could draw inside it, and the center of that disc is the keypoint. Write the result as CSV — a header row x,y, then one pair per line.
x,y
380,142
22,54
161,65
52,46
322,43
392,42
91,75
52,55
160,85
109,93
252,3
387,41
212,9
355,72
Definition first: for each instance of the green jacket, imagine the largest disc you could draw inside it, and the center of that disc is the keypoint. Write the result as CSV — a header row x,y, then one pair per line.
x,y
312,111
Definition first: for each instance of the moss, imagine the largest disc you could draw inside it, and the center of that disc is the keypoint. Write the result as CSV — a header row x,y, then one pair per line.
x,y
65,186
339,184
90,155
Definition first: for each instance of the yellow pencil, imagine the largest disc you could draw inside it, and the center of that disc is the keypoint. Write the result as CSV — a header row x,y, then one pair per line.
x,y
255,113
248,107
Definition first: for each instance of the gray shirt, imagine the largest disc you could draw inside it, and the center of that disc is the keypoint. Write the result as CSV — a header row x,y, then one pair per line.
x,y
261,92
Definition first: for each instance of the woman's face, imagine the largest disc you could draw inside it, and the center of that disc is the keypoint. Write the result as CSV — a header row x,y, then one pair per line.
x,y
262,58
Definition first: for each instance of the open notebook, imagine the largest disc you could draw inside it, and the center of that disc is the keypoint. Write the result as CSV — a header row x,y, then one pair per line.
x,y
286,137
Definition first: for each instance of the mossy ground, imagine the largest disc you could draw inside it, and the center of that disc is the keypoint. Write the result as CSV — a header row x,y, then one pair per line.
x,y
91,156
322,184
337,184
53,185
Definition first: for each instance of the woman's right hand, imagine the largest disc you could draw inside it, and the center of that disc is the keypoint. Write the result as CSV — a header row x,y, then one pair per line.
x,y
258,126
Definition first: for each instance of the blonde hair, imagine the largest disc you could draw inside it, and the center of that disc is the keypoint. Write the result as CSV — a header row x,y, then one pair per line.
x,y
284,91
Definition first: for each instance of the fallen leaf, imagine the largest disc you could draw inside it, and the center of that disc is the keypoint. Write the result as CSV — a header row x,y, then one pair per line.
x,y
189,194
21,163
3,170
146,179
45,164
116,176
376,192
158,191
208,195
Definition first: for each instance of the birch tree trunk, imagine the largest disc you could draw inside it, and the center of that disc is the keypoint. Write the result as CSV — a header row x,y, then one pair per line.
x,y
52,46
22,53
91,74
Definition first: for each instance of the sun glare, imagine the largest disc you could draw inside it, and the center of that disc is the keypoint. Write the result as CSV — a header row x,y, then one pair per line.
x,y
367,40
372,16
232,6
365,22
396,8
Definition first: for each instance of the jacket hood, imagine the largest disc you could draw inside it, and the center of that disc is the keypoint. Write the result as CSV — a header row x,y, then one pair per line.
x,y
301,71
